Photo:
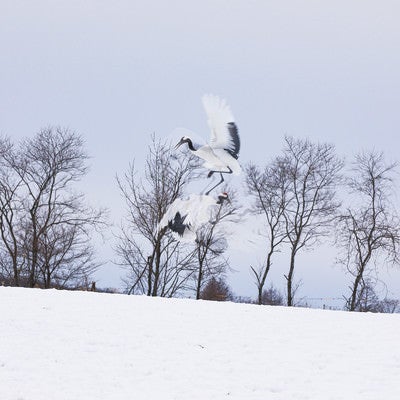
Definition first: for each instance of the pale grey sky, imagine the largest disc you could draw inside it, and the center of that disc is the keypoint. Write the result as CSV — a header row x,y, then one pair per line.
x,y
117,71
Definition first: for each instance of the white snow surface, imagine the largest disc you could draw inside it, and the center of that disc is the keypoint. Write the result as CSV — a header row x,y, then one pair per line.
x,y
84,345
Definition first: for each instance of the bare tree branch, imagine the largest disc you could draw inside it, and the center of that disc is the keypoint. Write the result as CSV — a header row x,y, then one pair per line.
x,y
157,265
48,223
312,171
369,228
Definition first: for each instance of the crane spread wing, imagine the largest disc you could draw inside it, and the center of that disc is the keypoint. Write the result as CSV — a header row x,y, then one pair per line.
x,y
177,207
178,224
200,212
190,214
224,131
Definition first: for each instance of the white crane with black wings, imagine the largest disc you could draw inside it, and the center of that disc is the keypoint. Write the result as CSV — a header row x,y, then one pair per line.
x,y
222,153
185,217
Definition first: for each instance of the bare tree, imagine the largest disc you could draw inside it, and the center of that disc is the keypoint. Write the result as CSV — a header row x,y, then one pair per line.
x,y
211,244
66,256
48,223
369,230
269,189
10,214
389,306
216,289
272,297
157,265
312,172
369,301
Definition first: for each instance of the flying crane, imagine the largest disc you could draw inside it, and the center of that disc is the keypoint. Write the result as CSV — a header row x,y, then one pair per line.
x,y
222,153
185,217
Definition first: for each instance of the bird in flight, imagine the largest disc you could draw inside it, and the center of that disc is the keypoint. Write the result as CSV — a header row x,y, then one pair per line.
x,y
185,217
222,153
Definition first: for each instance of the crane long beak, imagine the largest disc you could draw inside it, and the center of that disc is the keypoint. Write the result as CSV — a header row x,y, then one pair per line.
x,y
179,144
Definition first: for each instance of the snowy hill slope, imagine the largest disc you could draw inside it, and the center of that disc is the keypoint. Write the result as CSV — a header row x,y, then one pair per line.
x,y
83,345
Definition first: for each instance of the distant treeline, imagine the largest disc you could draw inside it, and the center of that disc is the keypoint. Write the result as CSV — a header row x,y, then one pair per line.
x,y
302,195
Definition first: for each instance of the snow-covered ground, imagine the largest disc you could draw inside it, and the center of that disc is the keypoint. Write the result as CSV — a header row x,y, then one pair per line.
x,y
83,345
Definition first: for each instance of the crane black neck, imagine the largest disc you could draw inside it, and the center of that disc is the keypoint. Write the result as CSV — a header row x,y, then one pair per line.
x,y
190,144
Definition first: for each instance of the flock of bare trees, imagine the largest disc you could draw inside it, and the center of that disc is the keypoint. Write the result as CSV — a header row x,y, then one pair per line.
x,y
297,196
369,227
303,196
296,193
44,224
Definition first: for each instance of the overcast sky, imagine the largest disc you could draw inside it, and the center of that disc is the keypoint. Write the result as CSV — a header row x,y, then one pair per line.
x,y
117,71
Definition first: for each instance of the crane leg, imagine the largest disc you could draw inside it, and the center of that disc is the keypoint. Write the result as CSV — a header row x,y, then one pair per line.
x,y
222,180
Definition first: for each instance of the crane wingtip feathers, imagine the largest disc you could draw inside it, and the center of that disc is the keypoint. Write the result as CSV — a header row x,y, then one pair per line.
x,y
217,107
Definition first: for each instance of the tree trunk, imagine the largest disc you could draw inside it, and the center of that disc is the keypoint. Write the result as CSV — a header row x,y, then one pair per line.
x,y
199,280
32,274
260,290
289,279
264,278
150,274
15,270
157,269
353,298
